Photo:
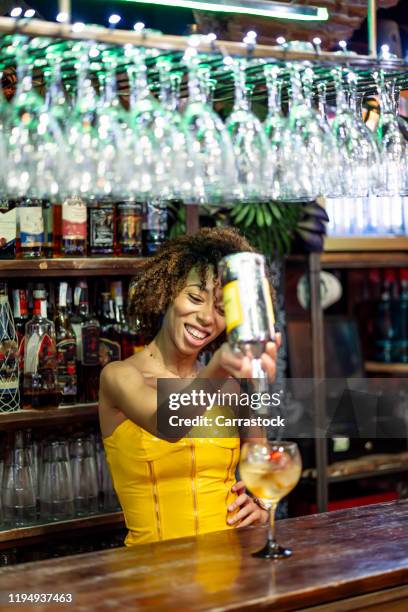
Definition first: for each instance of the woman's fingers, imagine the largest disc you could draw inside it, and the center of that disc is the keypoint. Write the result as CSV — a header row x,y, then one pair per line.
x,y
241,499
252,518
240,366
246,368
247,515
269,366
238,487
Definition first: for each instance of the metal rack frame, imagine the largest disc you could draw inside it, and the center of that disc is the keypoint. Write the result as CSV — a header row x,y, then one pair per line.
x,y
37,27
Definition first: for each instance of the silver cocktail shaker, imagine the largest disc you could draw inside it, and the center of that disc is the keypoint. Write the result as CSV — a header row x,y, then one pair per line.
x,y
248,305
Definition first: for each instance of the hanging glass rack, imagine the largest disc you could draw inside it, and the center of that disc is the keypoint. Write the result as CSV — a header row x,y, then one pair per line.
x,y
211,53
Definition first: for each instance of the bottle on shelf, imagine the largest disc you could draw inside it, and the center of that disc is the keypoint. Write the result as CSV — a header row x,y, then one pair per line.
x,y
129,228
384,321
66,350
154,227
8,229
30,234
124,328
109,341
71,216
20,314
87,330
119,325
101,228
57,229
40,358
401,320
9,365
48,228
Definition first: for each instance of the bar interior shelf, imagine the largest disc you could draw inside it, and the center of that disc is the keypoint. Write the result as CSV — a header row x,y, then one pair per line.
x,y
48,529
57,416
86,266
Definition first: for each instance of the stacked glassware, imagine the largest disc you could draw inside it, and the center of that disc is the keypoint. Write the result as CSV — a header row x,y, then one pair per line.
x,y
57,478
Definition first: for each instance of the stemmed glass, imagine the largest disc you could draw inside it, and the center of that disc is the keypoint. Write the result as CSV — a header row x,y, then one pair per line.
x,y
252,151
81,136
110,124
303,145
174,141
35,143
211,155
149,155
392,144
355,147
270,470
274,126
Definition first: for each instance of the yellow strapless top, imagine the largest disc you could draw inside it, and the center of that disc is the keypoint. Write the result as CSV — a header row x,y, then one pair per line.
x,y
171,489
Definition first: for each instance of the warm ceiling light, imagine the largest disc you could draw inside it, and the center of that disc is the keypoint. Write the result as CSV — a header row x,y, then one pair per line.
x,y
260,8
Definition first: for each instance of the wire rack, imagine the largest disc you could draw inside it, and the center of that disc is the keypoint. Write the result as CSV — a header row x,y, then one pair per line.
x,y
45,35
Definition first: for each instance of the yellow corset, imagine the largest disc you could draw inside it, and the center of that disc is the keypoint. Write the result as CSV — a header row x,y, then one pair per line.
x,y
171,489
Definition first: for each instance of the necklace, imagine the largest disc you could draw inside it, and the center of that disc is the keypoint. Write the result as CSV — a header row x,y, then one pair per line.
x,y
194,374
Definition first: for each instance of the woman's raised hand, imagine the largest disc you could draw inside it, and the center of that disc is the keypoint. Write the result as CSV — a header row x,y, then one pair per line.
x,y
228,363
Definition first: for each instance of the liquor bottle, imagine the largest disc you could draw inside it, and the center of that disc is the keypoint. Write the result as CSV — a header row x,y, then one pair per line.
x,y
119,325
48,228
30,235
66,350
57,229
9,382
87,330
40,358
73,227
8,229
101,228
129,228
20,314
400,353
122,326
154,227
109,341
384,321
404,315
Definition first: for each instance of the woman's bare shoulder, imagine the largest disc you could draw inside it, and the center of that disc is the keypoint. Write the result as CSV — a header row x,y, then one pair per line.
x,y
120,374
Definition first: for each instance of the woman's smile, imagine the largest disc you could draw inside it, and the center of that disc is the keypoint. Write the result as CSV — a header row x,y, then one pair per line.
x,y
194,335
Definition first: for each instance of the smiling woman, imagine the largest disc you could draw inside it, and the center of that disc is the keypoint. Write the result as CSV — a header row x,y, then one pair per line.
x,y
168,488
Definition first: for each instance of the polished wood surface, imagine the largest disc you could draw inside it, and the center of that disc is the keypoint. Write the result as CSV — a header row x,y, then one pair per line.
x,y
356,259
337,556
366,243
71,266
52,416
364,259
47,530
386,368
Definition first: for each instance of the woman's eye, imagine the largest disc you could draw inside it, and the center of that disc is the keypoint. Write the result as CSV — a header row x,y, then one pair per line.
x,y
220,310
195,298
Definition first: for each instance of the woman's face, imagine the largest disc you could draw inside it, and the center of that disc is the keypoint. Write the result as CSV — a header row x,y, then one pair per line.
x,y
196,317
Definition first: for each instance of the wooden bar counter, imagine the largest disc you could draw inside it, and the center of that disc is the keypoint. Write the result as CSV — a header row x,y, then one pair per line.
x,y
356,558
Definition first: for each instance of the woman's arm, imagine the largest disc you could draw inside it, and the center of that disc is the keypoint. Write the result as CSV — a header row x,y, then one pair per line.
x,y
123,387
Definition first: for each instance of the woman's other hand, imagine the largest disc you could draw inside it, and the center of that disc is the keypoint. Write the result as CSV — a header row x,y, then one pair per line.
x,y
246,510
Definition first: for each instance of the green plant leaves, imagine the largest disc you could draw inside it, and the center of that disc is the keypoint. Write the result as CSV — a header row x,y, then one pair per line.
x,y
269,226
